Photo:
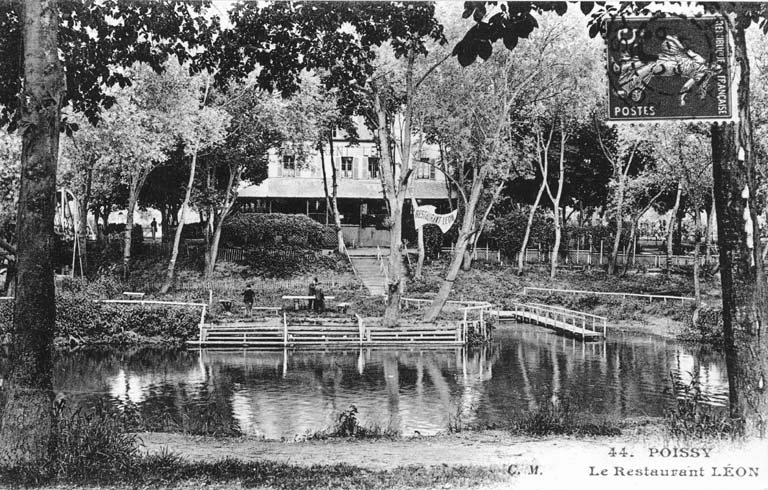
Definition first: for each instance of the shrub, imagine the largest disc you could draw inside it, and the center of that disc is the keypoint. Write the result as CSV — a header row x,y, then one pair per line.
x,y
559,419
348,425
78,316
706,327
255,229
90,444
507,232
695,417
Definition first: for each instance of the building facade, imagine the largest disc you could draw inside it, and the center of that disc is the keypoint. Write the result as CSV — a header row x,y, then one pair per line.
x,y
298,187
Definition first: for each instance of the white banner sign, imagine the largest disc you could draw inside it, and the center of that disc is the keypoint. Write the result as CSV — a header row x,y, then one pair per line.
x,y
426,215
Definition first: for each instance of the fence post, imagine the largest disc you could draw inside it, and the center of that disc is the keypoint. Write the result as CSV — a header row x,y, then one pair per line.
x,y
201,334
360,327
601,252
285,329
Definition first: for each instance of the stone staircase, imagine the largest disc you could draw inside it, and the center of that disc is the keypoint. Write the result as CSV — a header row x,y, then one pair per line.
x,y
369,270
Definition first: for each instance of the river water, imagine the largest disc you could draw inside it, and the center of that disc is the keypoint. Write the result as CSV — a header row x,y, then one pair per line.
x,y
287,394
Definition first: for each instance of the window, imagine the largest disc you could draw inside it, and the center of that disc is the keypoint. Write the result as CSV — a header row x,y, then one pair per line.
x,y
425,170
289,165
346,167
373,167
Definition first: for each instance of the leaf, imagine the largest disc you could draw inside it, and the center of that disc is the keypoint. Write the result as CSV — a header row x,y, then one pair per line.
x,y
561,8
484,50
467,11
586,7
510,40
594,29
466,54
479,13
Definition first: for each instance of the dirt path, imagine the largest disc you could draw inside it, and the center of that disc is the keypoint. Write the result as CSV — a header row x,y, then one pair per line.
x,y
488,449
555,462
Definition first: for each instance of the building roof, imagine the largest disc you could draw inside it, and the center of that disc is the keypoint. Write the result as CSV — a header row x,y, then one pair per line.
x,y
312,188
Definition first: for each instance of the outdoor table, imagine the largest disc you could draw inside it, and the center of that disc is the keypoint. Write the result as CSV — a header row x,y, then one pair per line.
x,y
133,295
296,299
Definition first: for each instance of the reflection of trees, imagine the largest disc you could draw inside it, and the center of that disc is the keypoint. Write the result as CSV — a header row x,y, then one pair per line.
x,y
283,393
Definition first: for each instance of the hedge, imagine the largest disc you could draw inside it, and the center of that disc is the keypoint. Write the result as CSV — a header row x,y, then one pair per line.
x,y
257,229
80,317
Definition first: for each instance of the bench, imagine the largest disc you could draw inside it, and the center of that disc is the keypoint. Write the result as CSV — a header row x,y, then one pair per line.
x,y
297,299
342,307
132,295
276,309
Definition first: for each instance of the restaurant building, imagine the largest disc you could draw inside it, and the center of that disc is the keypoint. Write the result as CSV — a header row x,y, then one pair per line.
x,y
297,187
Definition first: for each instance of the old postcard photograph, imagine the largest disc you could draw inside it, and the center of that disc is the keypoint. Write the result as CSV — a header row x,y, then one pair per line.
x,y
383,245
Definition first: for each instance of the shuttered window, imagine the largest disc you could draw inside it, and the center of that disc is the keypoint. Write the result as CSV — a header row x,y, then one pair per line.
x,y
346,167
373,167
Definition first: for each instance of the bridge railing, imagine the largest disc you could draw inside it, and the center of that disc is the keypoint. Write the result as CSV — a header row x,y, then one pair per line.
x,y
573,318
469,307
649,297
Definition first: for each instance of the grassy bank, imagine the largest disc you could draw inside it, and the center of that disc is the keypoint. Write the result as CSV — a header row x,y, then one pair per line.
x,y
501,285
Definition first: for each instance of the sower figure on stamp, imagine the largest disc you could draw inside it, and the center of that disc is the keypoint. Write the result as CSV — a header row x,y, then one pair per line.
x,y
248,296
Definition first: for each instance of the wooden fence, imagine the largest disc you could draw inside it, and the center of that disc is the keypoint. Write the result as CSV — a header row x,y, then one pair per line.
x,y
262,286
650,297
587,258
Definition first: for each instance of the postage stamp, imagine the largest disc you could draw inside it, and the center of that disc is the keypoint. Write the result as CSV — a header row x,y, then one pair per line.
x,y
668,68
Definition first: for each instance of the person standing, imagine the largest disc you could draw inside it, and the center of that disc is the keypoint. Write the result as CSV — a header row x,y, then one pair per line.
x,y
153,226
319,299
248,296
312,292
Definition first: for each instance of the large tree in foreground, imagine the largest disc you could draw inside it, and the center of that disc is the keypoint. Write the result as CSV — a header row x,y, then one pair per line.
x,y
27,415
32,94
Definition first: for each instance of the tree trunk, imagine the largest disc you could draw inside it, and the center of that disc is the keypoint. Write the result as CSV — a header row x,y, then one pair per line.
x,y
83,235
742,278
465,234
556,201
670,229
163,223
331,199
677,237
26,428
708,235
177,238
208,258
96,219
619,225
420,243
215,247
394,193
105,217
632,232
133,195
556,246
527,235
488,210
696,255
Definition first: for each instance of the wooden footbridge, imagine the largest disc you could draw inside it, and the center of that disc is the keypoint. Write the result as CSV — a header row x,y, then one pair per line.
x,y
583,326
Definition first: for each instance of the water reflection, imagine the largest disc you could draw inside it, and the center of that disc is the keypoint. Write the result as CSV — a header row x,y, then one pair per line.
x,y
286,393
